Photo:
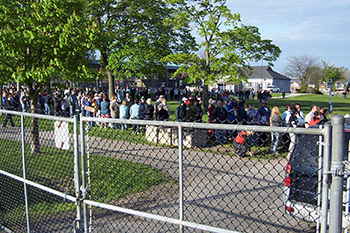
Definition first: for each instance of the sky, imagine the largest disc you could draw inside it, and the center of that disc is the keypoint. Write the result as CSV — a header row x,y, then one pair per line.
x,y
309,27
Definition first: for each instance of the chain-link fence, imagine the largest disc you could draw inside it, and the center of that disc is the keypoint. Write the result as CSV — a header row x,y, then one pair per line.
x,y
156,176
37,173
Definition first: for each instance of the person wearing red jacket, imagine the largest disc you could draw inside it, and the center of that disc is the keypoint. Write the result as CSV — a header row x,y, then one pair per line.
x,y
242,144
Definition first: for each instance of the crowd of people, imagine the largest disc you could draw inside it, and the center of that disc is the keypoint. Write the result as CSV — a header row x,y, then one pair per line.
x,y
136,103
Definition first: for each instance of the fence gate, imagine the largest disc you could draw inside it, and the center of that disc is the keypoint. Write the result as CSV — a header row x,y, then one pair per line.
x,y
37,189
170,176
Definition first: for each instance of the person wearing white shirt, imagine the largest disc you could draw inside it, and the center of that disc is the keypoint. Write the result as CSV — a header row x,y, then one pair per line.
x,y
310,115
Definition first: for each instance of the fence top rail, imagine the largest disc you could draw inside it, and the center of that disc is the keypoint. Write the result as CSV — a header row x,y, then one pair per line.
x,y
34,115
190,125
196,125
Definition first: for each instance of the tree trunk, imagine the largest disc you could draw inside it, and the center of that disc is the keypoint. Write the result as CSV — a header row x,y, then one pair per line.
x,y
110,82
2,90
205,98
34,124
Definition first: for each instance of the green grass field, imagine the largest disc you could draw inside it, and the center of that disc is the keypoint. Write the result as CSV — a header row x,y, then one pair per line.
x,y
340,105
111,178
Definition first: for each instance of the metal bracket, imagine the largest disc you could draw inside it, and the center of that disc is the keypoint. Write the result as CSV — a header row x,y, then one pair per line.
x,y
347,165
323,143
84,192
336,172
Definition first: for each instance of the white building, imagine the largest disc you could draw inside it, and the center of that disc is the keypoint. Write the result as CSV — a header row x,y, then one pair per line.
x,y
263,76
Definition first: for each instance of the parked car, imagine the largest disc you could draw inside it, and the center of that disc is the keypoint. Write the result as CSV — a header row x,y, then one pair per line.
x,y
272,88
302,192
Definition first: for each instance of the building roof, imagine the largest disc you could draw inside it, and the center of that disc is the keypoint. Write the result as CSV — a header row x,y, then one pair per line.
x,y
266,72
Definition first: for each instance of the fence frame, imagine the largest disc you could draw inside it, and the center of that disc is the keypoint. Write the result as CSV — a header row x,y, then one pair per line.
x,y
194,125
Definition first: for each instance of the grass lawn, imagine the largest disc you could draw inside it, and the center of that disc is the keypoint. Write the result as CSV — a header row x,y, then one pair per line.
x,y
340,105
111,178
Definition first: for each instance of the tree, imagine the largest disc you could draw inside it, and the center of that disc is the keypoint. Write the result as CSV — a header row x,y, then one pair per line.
x,y
43,39
228,45
332,72
304,68
134,36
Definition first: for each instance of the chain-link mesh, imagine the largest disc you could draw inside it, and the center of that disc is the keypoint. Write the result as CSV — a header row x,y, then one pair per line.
x,y
226,184
223,187
48,162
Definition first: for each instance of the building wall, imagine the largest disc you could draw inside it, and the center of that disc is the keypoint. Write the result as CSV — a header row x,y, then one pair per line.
x,y
284,85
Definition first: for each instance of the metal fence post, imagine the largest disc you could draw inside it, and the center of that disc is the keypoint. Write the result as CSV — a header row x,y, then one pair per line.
x,y
181,197
77,180
83,175
337,171
325,178
24,173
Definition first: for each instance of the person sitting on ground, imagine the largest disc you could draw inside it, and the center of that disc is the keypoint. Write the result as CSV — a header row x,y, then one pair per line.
x,y
241,143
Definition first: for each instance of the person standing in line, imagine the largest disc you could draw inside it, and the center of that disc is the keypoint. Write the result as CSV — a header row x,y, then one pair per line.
x,y
162,114
310,115
56,104
181,111
286,114
199,111
324,114
275,121
263,114
300,115
135,114
293,122
82,103
263,118
73,102
47,101
114,108
24,100
64,106
9,104
251,113
124,113
88,102
220,116
176,94
148,111
241,113
105,111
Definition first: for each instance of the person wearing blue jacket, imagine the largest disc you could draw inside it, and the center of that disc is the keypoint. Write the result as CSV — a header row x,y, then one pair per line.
x,y
135,114
263,114
124,113
263,118
105,111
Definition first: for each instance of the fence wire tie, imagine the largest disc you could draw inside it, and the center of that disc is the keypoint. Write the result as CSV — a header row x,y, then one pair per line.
x,y
286,129
65,194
